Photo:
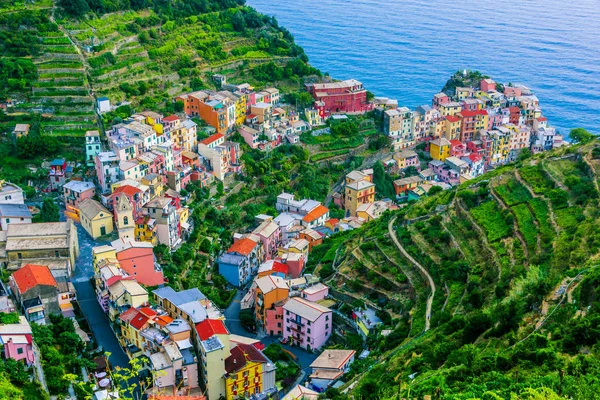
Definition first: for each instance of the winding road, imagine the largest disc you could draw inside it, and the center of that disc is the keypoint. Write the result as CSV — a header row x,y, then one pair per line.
x,y
420,267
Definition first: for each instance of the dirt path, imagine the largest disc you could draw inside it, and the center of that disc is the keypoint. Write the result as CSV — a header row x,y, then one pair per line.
x,y
420,267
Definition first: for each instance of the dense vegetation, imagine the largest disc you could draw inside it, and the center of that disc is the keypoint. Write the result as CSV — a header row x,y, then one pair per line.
x,y
514,258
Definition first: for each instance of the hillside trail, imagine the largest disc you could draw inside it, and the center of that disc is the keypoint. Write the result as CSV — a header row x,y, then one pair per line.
x,y
420,267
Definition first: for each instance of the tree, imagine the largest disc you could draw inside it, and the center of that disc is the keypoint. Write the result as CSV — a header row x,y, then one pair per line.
x,y
179,106
49,211
580,135
434,190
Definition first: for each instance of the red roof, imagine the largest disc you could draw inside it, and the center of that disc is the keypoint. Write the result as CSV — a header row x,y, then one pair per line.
x,y
147,311
31,276
135,318
456,142
280,267
171,118
514,109
209,327
468,113
542,119
128,190
316,213
251,116
475,157
241,354
243,246
333,221
212,138
452,118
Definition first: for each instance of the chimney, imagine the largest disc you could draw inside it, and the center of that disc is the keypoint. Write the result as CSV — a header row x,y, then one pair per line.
x,y
234,361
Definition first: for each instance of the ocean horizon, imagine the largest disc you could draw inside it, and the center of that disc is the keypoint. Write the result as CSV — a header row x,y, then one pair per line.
x,y
408,50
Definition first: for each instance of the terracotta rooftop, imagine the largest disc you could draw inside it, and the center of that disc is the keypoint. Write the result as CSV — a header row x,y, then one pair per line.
x,y
127,189
212,138
171,118
243,246
209,327
315,213
452,118
31,276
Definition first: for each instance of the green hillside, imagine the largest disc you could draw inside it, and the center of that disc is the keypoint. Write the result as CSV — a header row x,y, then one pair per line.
x,y
512,299
57,56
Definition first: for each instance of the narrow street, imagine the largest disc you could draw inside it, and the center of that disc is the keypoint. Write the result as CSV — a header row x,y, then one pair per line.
x,y
86,297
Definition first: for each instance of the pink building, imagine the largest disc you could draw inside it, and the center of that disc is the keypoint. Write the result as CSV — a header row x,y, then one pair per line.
x,y
457,148
294,262
137,259
75,192
316,292
510,91
307,324
274,319
494,120
439,99
250,135
58,173
340,97
487,85
444,172
270,236
17,341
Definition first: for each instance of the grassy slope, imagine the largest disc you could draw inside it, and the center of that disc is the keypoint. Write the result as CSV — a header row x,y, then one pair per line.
x,y
498,252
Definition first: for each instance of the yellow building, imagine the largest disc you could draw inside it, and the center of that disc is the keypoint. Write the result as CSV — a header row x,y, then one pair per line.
x,y
145,230
153,119
298,246
244,372
123,294
439,149
241,105
452,128
313,117
357,193
436,127
100,253
155,184
451,108
463,92
95,218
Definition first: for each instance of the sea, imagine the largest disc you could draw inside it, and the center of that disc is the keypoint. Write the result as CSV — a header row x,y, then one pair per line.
x,y
407,49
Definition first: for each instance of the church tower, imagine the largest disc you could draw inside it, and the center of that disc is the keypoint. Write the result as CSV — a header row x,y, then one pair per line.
x,y
125,222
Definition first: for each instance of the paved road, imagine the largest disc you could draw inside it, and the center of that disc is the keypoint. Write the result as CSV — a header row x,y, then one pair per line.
x,y
232,316
86,297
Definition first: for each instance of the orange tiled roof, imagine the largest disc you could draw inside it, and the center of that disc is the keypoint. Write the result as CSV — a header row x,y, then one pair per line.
x,y
163,320
212,138
243,246
31,276
316,213
127,189
209,327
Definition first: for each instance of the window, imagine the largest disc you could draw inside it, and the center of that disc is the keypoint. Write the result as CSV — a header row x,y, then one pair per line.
x,y
56,254
308,331
20,350
326,326
327,318
19,256
279,324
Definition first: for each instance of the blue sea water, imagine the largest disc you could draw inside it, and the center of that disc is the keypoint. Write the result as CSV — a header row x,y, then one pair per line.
x,y
407,49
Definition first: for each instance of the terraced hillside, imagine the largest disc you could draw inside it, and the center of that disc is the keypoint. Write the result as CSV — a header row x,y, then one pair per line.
x,y
48,77
147,56
491,287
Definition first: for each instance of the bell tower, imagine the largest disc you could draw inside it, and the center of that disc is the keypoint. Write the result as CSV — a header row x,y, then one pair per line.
x,y
125,222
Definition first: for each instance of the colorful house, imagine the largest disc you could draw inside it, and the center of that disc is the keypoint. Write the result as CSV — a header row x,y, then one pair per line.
x,y
452,124
11,214
407,158
357,193
347,97
269,294
367,320
74,192
439,149
58,173
269,235
240,263
36,292
307,324
95,218
329,367
92,146
403,185
248,372
138,260
17,341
